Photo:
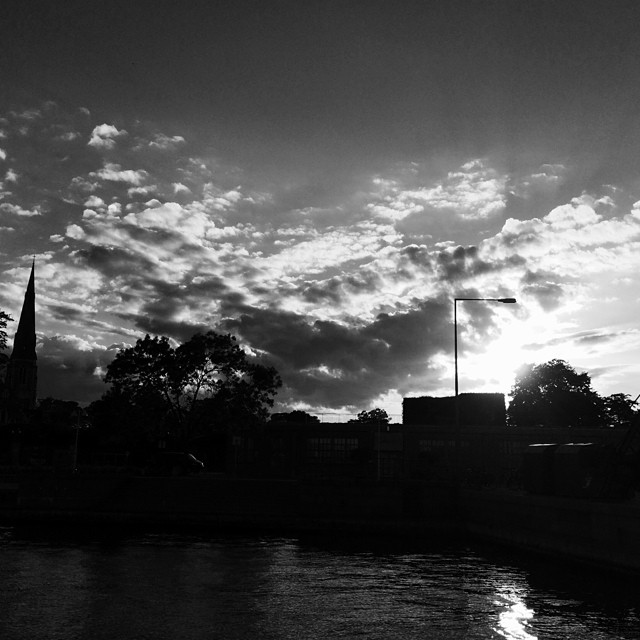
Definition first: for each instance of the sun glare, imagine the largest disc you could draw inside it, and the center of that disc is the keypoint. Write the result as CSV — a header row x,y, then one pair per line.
x,y
493,369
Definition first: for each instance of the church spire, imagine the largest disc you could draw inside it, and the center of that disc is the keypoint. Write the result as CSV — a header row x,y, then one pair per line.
x,y
24,343
21,381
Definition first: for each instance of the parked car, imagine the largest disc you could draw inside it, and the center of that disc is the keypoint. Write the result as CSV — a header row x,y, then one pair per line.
x,y
174,463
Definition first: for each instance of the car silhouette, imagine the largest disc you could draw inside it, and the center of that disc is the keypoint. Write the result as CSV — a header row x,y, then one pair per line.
x,y
174,463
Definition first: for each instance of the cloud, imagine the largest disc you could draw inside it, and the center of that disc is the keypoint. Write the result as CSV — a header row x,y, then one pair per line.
x,y
571,217
113,261
70,368
347,291
17,210
192,225
547,179
179,188
335,289
543,289
461,262
474,191
608,338
114,173
334,365
604,203
164,142
94,201
105,136
575,227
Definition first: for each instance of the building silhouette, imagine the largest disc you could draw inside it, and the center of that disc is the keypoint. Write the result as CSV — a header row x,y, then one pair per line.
x,y
475,410
19,390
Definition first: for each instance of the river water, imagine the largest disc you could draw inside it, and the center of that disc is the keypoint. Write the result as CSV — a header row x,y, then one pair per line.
x,y
134,585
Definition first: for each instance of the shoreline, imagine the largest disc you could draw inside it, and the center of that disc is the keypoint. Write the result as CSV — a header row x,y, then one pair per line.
x,y
600,534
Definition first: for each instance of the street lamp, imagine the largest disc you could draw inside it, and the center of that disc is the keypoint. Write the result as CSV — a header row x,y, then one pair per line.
x,y
455,356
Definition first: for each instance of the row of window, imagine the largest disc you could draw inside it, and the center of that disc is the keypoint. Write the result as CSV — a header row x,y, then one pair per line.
x,y
339,449
331,449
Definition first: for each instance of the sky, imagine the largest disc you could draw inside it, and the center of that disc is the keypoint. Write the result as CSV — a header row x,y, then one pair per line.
x,y
321,180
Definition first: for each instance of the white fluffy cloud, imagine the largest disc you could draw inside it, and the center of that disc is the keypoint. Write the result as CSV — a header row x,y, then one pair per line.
x,y
17,210
474,191
94,201
114,173
571,239
105,136
162,141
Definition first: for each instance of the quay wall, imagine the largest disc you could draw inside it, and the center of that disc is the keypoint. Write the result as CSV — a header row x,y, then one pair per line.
x,y
294,505
596,532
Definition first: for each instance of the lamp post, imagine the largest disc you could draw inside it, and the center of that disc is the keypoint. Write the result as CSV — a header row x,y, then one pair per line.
x,y
455,357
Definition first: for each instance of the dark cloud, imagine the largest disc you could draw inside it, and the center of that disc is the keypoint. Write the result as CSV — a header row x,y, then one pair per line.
x,y
597,337
114,261
165,301
540,286
162,308
334,365
171,239
159,326
462,262
70,370
418,255
212,287
83,318
328,290
363,281
583,339
64,312
45,142
338,288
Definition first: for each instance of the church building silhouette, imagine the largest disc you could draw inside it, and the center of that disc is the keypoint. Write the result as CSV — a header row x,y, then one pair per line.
x,y
19,391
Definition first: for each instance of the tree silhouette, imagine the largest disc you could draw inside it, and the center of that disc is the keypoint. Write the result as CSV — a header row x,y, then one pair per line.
x,y
4,318
375,416
554,394
619,409
205,382
295,416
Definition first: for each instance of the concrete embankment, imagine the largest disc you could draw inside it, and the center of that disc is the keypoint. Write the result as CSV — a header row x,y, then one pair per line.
x,y
319,505
599,533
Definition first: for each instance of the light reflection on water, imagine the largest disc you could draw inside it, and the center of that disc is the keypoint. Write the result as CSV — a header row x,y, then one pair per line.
x,y
513,620
184,586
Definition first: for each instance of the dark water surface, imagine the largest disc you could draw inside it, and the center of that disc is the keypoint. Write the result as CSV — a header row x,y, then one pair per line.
x,y
167,586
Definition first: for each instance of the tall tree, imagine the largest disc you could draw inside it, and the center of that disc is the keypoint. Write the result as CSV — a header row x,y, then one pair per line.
x,y
554,394
206,380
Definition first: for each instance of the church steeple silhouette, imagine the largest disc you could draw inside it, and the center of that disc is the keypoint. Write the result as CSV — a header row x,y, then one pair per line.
x,y
22,369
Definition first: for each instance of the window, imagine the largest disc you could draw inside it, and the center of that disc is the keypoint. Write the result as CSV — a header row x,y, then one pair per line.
x,y
330,449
